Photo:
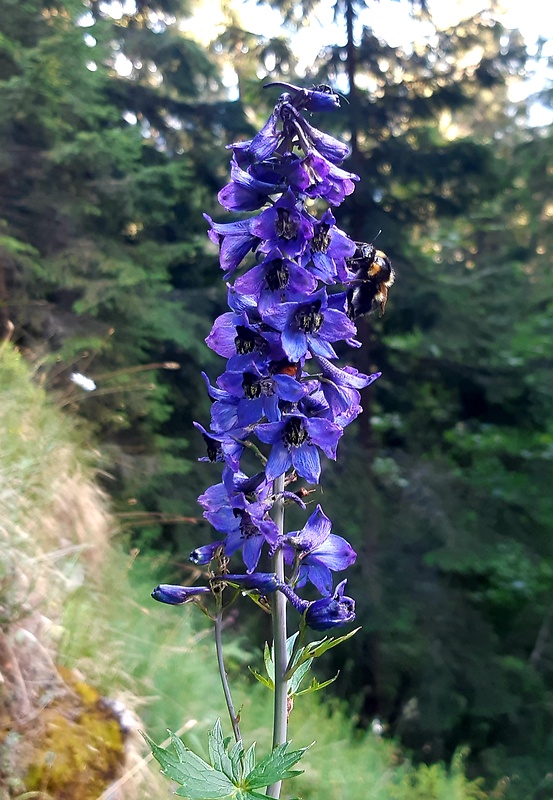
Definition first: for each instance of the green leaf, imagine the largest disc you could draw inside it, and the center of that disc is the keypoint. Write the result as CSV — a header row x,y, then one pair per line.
x,y
16,247
243,794
290,642
235,756
298,675
249,759
199,781
218,752
269,664
262,679
274,767
316,649
315,686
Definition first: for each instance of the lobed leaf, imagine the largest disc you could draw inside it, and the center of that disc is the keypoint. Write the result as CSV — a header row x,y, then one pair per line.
x,y
274,767
198,779
217,748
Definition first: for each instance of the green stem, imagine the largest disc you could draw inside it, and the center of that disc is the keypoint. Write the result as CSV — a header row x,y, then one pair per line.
x,y
280,719
223,674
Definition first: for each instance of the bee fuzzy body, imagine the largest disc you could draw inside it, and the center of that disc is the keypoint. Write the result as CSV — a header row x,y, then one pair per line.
x,y
373,276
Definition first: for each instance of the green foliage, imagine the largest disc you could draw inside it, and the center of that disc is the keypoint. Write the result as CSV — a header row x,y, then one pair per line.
x,y
299,660
102,237
232,773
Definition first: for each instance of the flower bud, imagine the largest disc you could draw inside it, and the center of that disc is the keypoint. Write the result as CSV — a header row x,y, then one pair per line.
x,y
204,554
331,612
177,595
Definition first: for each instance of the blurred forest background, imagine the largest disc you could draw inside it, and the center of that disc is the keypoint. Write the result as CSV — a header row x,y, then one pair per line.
x,y
113,125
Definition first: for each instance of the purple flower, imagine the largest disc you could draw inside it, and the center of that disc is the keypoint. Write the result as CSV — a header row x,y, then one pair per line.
x,y
235,241
327,180
275,280
340,386
240,335
294,443
325,145
246,529
224,411
318,551
330,182
331,612
202,556
328,612
309,326
244,192
234,484
178,595
285,225
328,249
263,144
257,393
226,446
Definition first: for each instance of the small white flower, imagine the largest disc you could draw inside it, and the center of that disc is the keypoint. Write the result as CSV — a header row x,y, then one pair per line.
x,y
81,380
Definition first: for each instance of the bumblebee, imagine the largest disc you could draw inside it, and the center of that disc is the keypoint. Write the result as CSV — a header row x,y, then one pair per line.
x,y
373,277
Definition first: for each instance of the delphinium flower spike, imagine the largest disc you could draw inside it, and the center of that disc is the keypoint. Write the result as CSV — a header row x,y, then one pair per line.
x,y
297,284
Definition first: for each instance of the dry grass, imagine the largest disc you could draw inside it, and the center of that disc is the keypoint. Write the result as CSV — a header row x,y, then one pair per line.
x,y
55,539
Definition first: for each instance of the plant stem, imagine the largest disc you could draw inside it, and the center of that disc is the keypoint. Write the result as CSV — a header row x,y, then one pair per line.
x,y
280,720
223,674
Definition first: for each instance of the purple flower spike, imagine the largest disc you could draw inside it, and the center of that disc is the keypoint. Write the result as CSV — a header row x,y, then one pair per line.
x,y
178,595
331,612
288,305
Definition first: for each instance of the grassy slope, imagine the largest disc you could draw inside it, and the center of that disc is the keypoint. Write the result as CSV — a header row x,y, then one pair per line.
x,y
56,556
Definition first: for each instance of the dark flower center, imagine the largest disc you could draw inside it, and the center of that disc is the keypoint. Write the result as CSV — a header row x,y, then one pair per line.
x,y
294,433
267,386
251,386
309,318
214,449
247,527
321,239
286,228
278,275
245,340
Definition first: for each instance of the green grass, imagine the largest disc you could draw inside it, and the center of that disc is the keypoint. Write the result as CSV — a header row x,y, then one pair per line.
x,y
57,557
